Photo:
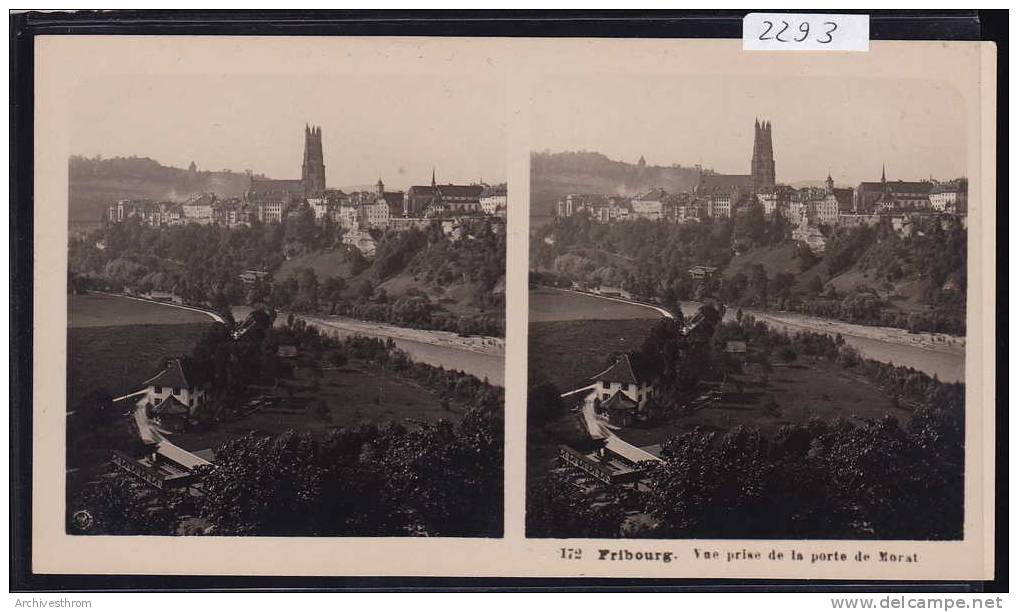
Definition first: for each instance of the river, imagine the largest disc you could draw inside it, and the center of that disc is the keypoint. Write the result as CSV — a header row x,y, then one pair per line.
x,y
481,356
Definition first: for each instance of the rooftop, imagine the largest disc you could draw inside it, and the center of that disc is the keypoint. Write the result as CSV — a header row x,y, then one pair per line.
x,y
177,372
623,371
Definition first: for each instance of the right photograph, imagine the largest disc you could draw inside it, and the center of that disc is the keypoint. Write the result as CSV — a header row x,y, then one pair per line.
x,y
747,308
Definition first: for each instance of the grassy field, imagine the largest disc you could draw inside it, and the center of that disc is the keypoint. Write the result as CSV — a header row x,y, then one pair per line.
x,y
554,305
97,310
567,353
801,391
117,359
356,393
114,343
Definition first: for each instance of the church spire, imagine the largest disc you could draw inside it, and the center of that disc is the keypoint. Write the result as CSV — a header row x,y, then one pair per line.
x,y
432,176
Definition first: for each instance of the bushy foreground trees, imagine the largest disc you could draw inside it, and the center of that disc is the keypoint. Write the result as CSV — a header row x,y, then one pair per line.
x,y
439,480
373,479
840,479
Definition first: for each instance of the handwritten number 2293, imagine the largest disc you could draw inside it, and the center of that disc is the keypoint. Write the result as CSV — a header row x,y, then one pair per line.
x,y
803,29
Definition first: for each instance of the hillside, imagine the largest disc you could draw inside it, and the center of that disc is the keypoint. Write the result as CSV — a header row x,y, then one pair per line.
x,y
418,278
553,175
457,296
867,275
95,183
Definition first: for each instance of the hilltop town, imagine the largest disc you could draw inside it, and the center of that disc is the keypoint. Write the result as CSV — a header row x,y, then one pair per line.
x,y
431,256
811,210
748,240
357,213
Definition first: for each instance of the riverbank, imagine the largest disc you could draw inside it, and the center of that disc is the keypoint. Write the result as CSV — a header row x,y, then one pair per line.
x,y
928,341
480,356
485,345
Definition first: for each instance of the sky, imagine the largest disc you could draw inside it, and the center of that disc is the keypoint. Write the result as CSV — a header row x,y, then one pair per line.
x,y
393,127
848,126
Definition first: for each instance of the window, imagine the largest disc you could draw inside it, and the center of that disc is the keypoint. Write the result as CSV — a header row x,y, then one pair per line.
x,y
158,389
625,386
176,390
604,396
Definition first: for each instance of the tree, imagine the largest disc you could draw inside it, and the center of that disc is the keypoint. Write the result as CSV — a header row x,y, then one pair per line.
x,y
815,285
543,403
332,291
555,510
787,354
95,408
262,486
116,505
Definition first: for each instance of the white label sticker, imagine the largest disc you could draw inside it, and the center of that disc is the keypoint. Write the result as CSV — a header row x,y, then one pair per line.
x,y
805,32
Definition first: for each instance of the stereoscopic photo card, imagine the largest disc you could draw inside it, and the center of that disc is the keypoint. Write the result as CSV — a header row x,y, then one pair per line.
x,y
513,307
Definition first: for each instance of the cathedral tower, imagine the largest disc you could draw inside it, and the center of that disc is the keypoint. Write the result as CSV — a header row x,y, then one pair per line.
x,y
313,170
762,166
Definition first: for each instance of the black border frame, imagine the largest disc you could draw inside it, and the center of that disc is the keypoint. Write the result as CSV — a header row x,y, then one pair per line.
x,y
25,26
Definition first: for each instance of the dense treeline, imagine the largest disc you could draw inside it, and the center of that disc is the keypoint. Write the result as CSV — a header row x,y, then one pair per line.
x,y
651,260
202,264
870,479
436,479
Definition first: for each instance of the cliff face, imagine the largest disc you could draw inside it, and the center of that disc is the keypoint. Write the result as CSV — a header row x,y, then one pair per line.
x,y
553,175
94,184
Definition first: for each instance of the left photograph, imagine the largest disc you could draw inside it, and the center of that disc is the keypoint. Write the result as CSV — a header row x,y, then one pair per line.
x,y
286,306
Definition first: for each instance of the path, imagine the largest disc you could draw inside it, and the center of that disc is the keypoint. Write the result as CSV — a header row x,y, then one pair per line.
x,y
662,311
599,430
209,313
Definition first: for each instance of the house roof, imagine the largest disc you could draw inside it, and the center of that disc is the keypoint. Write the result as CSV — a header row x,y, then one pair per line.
x,y
656,194
735,346
897,186
624,449
620,401
495,190
177,372
393,198
170,405
267,186
180,456
460,191
724,182
623,371
844,197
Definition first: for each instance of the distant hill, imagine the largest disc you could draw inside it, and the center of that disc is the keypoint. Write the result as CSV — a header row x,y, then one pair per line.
x,y
95,183
553,175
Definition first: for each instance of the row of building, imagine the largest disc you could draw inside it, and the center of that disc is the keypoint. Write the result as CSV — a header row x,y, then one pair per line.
x,y
828,205
372,209
719,196
272,200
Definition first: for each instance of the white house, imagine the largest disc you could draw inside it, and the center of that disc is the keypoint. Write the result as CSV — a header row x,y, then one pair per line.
x,y
720,206
649,205
179,380
494,200
623,378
